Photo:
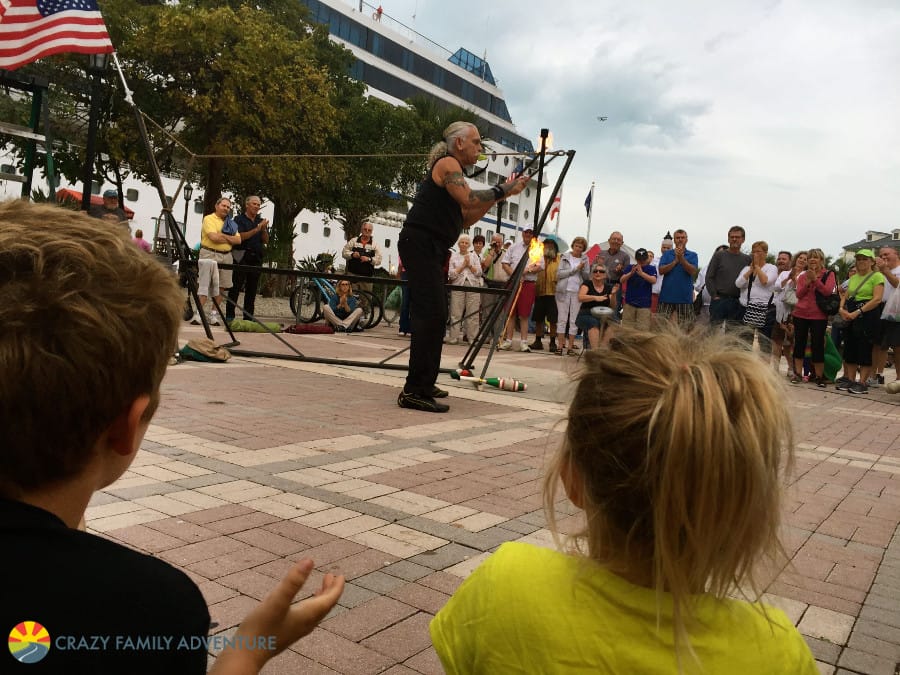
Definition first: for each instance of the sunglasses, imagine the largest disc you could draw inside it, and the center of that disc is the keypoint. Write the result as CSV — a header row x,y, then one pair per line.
x,y
599,271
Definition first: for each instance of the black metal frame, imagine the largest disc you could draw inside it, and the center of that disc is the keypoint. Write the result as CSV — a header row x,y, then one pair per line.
x,y
189,268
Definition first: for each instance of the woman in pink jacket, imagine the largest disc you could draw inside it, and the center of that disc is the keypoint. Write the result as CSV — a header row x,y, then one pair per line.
x,y
810,322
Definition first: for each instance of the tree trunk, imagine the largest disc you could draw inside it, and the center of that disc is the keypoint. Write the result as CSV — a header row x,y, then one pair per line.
x,y
215,172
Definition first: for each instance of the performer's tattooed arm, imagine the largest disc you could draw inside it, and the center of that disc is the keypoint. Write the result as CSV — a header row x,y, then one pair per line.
x,y
475,196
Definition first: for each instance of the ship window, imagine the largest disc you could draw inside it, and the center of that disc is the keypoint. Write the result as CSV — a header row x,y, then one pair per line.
x,y
131,194
327,231
387,243
304,227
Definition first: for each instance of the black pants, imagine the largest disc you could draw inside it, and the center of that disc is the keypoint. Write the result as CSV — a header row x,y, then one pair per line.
x,y
423,258
247,281
804,329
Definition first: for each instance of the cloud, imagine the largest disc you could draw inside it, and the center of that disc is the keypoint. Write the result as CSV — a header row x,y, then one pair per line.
x,y
780,116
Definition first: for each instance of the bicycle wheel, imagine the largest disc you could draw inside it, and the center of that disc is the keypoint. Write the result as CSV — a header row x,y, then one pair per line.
x,y
391,314
372,310
305,303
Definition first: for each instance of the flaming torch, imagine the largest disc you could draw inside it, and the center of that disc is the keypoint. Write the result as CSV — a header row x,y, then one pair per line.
x,y
535,252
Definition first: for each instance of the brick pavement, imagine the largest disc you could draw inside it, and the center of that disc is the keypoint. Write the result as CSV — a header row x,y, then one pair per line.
x,y
256,463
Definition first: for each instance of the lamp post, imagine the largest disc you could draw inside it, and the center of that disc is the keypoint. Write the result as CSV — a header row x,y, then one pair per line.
x,y
188,193
96,67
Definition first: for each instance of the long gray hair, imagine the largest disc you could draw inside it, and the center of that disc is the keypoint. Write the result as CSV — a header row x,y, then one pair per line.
x,y
451,133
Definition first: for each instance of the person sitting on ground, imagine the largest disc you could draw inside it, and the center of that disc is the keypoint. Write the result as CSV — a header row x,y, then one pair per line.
x,y
680,506
343,311
76,397
595,292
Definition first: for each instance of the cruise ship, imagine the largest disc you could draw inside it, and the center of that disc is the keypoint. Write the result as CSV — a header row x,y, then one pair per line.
x,y
396,63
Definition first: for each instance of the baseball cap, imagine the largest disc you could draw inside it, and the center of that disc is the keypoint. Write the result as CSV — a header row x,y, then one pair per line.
x,y
865,253
641,254
110,193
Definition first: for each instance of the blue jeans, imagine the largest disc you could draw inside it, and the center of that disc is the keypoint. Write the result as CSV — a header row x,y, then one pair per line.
x,y
725,309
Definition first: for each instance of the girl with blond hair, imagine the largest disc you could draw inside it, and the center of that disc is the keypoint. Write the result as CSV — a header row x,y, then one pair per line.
x,y
679,505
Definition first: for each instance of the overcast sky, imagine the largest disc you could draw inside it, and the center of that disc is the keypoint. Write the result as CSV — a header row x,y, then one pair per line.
x,y
783,117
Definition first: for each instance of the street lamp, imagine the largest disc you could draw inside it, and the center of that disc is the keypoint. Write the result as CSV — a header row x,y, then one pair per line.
x,y
96,67
188,192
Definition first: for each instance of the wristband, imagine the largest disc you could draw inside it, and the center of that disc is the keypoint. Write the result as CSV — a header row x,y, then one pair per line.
x,y
498,193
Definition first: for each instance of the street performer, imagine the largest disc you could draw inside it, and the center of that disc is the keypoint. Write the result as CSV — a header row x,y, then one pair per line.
x,y
443,206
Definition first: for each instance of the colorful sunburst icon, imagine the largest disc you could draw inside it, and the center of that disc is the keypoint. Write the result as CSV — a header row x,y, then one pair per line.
x,y
29,642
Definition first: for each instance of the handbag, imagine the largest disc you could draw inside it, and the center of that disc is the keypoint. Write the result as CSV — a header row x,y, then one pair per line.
x,y
851,304
789,298
829,304
698,301
759,315
891,311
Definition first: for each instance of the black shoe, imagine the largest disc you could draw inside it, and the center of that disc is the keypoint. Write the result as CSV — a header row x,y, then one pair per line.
x,y
437,392
821,382
423,403
537,345
552,347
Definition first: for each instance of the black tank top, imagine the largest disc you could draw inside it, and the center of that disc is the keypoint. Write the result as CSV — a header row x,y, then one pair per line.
x,y
435,212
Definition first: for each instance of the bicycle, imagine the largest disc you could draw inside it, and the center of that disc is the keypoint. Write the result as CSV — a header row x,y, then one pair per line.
x,y
311,293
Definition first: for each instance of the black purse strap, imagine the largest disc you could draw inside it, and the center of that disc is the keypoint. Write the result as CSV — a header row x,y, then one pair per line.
x,y
852,296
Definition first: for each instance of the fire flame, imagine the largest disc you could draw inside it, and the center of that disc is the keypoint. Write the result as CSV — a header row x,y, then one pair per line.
x,y
535,252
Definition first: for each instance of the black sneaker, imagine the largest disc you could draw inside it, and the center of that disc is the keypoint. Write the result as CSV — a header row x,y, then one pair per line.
x,y
821,382
536,346
423,403
880,379
858,388
843,383
437,392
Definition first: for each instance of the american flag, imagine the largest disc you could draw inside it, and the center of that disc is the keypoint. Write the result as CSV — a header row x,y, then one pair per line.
x,y
31,29
557,202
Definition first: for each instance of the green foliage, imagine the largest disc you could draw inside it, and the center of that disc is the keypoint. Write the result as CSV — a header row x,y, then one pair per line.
x,y
317,263
236,82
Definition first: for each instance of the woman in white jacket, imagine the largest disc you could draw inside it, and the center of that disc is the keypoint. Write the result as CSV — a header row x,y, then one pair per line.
x,y
464,270
574,270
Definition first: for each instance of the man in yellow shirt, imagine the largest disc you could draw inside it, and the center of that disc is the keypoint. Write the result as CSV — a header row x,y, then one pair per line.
x,y
215,245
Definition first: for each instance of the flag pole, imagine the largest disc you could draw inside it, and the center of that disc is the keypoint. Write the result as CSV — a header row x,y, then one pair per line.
x,y
590,214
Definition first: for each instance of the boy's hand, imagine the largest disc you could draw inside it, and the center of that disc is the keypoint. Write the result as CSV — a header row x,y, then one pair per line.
x,y
276,616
